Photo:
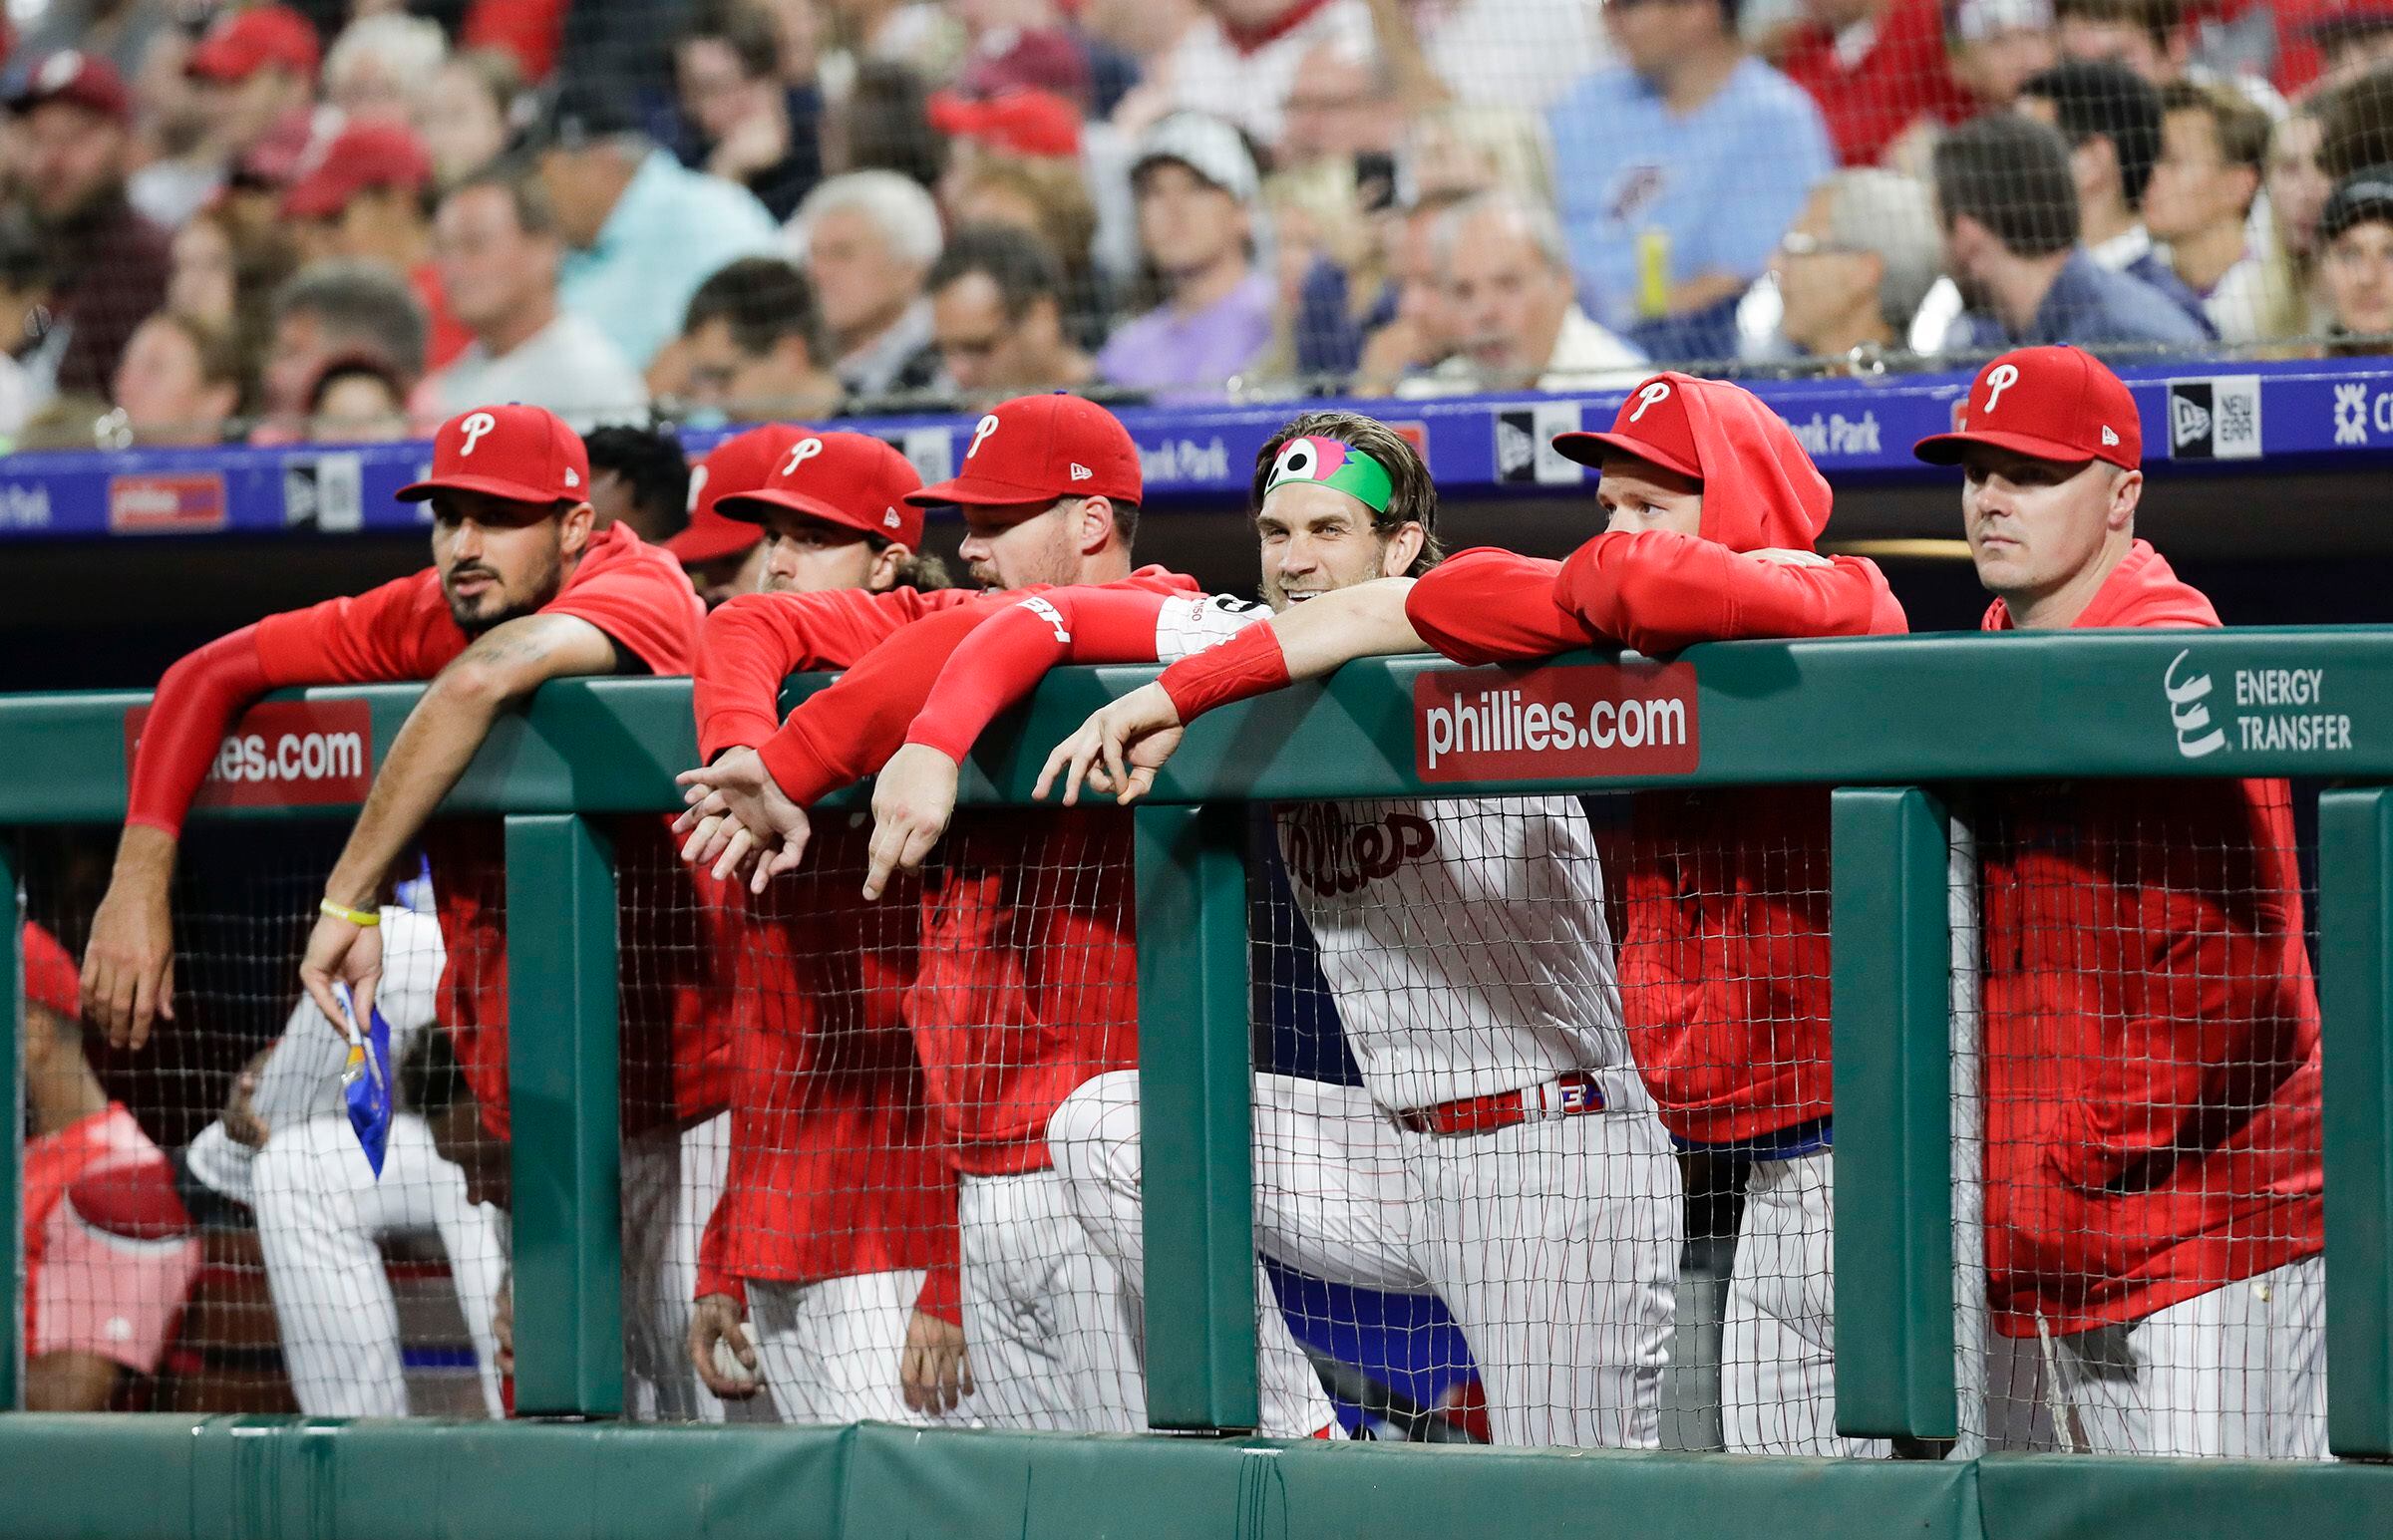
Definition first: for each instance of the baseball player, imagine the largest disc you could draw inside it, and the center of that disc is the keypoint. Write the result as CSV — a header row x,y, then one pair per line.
x,y
109,1251
1711,511
2152,1183
521,590
839,1200
1026,982
1501,1152
286,1150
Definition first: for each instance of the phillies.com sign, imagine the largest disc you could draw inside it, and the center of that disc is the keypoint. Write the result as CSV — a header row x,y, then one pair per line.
x,y
284,754
1567,722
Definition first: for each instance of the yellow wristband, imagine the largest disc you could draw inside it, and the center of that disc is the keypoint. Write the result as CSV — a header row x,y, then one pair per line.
x,y
361,917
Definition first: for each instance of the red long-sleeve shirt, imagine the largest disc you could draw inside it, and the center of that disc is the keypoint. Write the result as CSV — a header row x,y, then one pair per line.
x,y
400,631
1027,984
2151,1068
1724,961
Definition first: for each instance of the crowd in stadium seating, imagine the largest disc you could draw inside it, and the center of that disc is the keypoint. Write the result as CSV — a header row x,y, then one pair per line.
x,y
337,221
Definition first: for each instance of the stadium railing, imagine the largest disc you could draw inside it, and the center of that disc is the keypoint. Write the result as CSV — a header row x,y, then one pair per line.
x,y
1886,723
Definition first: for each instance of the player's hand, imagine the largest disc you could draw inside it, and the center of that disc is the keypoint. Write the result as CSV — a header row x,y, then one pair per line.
x,y
503,1322
913,801
129,964
737,817
1787,557
241,1123
1117,750
935,1371
715,1321
340,952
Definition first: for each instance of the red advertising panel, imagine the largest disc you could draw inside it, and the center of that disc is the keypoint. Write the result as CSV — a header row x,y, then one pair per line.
x,y
285,753
1573,722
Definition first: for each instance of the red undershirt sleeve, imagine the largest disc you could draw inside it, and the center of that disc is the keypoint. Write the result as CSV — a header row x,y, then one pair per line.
x,y
1659,591
1007,656
1493,606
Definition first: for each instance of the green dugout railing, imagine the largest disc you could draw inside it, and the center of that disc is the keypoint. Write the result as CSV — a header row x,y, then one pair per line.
x,y
1885,723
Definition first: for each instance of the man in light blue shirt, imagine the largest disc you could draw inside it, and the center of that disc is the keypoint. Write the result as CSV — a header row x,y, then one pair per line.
x,y
645,230
1679,170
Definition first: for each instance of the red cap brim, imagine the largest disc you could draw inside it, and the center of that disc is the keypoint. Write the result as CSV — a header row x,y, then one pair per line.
x,y
1945,449
711,542
1587,448
495,486
981,492
748,507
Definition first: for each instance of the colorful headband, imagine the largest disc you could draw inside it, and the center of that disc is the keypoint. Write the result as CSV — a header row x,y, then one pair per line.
x,y
1328,463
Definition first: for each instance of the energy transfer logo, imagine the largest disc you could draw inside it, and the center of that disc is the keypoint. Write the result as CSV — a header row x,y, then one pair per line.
x,y
2196,737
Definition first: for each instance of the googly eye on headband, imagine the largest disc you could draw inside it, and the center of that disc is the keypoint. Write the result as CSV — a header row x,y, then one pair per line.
x,y
1328,463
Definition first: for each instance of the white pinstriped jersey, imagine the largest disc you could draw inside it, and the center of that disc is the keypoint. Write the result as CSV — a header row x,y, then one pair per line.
x,y
1465,941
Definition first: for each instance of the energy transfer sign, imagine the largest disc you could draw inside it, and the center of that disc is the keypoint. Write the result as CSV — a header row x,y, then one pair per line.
x,y
284,754
1568,722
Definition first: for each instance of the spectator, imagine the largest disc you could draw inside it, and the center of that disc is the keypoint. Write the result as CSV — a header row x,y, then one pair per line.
x,y
1148,33
1014,123
29,345
1326,227
866,240
2351,43
1021,45
2008,207
465,111
1454,151
2214,144
1687,163
639,476
121,30
357,401
1196,189
498,254
1996,45
202,280
1239,60
883,124
225,277
1878,69
997,315
1516,54
363,198
2144,34
742,123
109,1251
1342,105
1046,197
643,231
751,347
330,310
256,74
2111,118
2297,188
2356,242
1420,334
1857,264
179,381
374,66
71,117
1517,325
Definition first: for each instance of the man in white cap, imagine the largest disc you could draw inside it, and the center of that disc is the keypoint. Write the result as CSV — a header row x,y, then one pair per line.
x,y
1197,185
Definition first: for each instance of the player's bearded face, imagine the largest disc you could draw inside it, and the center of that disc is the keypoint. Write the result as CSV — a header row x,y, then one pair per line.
x,y
1315,540
1006,550
498,560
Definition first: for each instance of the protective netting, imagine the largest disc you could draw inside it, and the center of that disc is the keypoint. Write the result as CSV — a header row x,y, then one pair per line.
x,y
337,224
2146,1095
1543,1147
205,1229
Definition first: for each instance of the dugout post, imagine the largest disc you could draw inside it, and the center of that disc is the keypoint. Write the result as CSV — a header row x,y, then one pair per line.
x,y
563,1085
1891,1002
1195,1089
2355,997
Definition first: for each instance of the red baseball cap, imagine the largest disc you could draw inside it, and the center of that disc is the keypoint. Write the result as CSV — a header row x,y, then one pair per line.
x,y
1036,448
50,976
850,479
1651,425
361,156
245,42
2060,404
78,79
522,453
1026,122
739,463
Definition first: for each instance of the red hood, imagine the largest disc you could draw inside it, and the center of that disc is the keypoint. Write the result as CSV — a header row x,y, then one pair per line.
x,y
2141,591
1761,491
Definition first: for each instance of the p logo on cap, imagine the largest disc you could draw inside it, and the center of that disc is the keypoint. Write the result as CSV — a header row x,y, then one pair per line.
x,y
475,424
1651,395
799,453
1999,379
981,430
2055,403
521,453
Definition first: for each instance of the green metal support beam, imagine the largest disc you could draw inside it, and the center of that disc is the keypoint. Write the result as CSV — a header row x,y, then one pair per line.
x,y
1196,1088
562,1082
1891,1000
2355,991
